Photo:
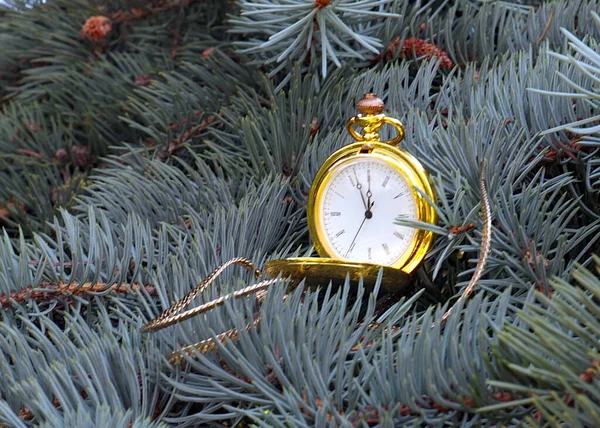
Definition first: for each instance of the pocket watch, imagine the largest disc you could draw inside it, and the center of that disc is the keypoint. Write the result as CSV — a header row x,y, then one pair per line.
x,y
353,205
354,202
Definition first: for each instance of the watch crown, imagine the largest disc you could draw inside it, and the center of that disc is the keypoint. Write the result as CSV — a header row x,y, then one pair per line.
x,y
370,120
370,104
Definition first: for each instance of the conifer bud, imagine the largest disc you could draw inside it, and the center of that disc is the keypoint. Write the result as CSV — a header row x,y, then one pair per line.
x,y
96,27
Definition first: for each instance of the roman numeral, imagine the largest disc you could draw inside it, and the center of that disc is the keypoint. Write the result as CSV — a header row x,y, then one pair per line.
x,y
369,253
386,248
402,215
385,181
337,235
399,235
398,195
339,194
335,214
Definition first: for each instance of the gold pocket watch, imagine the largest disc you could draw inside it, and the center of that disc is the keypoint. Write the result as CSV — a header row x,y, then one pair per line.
x,y
353,204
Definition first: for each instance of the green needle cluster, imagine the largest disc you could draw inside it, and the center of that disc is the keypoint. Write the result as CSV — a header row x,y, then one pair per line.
x,y
331,31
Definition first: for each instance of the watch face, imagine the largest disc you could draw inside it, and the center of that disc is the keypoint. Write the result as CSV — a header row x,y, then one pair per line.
x,y
361,201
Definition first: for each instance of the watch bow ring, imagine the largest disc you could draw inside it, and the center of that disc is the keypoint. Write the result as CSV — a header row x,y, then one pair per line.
x,y
372,107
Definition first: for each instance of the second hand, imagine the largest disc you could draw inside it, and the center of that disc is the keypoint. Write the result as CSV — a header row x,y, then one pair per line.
x,y
355,236
368,215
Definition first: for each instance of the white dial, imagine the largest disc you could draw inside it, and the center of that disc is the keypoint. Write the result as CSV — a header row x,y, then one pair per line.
x,y
361,202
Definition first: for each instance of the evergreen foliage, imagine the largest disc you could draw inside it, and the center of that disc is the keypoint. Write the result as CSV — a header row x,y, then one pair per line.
x,y
143,143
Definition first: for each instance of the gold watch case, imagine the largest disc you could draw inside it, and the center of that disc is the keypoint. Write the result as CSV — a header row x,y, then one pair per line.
x,y
327,267
407,166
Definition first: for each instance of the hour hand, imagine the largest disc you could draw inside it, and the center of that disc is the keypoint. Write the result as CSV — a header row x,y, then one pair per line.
x,y
365,203
359,187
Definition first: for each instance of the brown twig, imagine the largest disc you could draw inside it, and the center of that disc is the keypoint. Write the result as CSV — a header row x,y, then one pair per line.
x,y
192,132
457,230
48,291
416,48
152,8
31,153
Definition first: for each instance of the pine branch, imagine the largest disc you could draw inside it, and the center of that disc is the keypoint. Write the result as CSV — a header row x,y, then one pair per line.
x,y
115,127
331,31
582,149
553,352
83,358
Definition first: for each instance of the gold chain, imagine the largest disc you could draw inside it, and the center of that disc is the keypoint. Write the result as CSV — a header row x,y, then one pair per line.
x,y
171,316
209,345
486,243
